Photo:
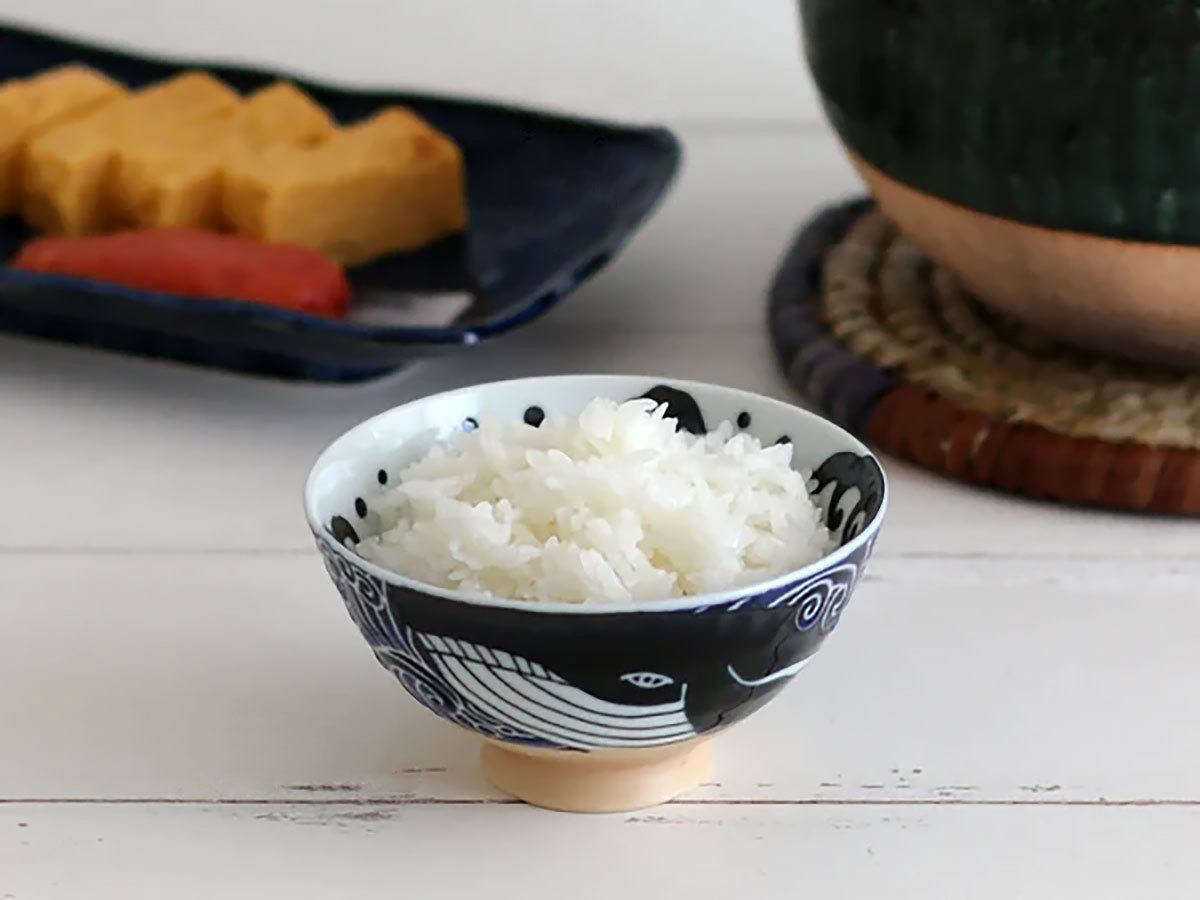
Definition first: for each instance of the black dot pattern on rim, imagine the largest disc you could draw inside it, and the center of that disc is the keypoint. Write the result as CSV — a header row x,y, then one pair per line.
x,y
360,507
382,476
535,416
469,424
784,440
743,420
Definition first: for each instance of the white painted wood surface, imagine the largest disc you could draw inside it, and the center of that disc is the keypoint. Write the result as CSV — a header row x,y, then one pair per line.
x,y
1008,709
237,675
708,852
686,61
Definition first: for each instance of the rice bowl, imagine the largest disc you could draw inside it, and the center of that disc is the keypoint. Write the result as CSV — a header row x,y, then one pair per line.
x,y
609,704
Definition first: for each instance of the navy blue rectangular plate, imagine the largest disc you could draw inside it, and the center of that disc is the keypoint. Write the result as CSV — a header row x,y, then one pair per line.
x,y
551,200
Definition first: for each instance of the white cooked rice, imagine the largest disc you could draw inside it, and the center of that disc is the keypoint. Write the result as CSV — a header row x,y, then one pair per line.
x,y
611,505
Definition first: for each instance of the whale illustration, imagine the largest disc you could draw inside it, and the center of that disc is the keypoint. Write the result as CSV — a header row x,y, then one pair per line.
x,y
513,689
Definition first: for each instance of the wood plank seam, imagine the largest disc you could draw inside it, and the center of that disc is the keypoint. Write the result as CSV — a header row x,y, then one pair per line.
x,y
507,801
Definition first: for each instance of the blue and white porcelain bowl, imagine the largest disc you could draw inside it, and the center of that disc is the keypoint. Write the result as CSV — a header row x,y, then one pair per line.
x,y
593,707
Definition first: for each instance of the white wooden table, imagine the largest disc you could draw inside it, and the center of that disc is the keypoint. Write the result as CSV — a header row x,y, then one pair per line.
x,y
1009,709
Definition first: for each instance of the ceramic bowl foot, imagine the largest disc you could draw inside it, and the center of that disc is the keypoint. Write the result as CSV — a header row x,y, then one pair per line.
x,y
598,781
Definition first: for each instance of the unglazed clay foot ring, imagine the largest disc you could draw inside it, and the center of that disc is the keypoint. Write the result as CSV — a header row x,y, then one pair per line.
x,y
599,781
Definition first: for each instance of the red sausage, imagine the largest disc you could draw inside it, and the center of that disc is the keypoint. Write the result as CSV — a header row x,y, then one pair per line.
x,y
198,264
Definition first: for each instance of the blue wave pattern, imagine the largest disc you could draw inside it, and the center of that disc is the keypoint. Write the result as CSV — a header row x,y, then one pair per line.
x,y
396,648
855,487
819,599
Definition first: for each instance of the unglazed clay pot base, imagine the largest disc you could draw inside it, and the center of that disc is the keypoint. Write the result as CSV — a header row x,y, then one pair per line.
x,y
600,781
1130,299
889,344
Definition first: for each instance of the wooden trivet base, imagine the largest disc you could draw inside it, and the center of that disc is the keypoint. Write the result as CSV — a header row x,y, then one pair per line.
x,y
891,346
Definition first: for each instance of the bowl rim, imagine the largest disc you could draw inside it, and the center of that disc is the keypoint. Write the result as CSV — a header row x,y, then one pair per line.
x,y
669,604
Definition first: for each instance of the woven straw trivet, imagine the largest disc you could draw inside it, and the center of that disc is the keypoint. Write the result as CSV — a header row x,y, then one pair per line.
x,y
890,346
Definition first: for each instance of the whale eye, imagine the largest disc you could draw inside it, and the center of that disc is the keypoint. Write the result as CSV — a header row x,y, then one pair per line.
x,y
647,679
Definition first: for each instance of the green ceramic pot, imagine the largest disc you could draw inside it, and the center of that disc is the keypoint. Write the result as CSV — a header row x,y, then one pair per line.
x,y
1048,151
1074,114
